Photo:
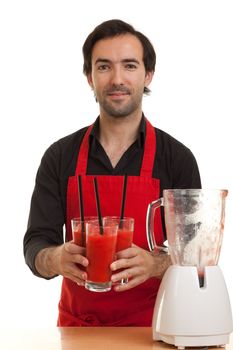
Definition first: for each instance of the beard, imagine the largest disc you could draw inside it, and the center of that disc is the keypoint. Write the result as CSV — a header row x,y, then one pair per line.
x,y
119,108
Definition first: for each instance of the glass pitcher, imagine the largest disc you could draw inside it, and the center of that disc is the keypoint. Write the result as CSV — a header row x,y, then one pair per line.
x,y
194,220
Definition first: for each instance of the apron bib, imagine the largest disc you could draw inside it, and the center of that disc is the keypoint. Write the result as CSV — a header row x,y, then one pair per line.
x,y
80,307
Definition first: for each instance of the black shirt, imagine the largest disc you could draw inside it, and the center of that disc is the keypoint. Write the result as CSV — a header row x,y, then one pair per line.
x,y
174,165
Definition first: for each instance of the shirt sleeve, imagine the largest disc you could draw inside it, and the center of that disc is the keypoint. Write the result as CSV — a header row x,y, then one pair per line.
x,y
186,173
47,216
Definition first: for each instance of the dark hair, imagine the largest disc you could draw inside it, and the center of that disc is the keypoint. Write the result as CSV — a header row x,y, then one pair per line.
x,y
115,27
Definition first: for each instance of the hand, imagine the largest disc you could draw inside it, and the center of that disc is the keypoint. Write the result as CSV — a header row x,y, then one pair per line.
x,y
63,260
139,265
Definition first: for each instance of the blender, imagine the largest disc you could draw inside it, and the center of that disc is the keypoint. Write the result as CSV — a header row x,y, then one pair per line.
x,y
192,306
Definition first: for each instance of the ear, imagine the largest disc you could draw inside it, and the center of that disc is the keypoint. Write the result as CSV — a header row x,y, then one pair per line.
x,y
90,81
148,78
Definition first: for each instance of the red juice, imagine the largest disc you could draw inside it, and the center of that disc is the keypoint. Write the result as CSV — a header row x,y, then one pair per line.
x,y
124,239
100,252
79,237
76,225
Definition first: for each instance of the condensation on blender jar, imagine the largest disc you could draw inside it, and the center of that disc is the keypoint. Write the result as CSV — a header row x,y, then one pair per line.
x,y
203,247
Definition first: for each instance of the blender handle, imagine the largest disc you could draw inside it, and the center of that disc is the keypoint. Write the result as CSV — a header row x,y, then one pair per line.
x,y
150,226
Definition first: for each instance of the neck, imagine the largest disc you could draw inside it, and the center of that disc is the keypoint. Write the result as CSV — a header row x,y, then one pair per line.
x,y
123,129
118,134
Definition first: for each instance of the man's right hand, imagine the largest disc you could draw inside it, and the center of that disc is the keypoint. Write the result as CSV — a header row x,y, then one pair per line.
x,y
63,260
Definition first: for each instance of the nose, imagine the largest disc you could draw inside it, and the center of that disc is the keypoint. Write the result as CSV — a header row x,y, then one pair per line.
x,y
117,76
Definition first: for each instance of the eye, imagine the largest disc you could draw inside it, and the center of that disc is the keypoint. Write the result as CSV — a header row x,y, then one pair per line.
x,y
103,67
130,66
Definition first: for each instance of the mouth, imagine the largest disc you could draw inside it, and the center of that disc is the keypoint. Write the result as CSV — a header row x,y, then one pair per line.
x,y
118,94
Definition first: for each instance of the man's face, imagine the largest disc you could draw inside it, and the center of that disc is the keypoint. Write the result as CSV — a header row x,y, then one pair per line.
x,y
118,75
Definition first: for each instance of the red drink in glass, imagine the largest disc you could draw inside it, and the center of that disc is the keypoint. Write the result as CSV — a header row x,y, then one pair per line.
x,y
77,225
124,239
100,252
124,232
79,237
124,235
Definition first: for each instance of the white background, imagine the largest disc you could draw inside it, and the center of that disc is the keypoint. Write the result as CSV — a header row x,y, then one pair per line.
x,y
44,96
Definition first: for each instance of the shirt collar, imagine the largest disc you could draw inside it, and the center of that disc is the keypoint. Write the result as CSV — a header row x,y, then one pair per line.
x,y
94,134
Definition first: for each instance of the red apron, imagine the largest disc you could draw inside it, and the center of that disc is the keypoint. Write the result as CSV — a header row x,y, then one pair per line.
x,y
80,307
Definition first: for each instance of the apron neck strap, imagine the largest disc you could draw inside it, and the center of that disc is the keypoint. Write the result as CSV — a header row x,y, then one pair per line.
x,y
149,151
81,167
148,156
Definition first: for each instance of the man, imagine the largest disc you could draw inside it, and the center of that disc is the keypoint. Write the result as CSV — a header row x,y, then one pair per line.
x,y
119,64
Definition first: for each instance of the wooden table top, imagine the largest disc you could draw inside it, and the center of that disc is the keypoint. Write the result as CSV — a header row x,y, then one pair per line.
x,y
86,338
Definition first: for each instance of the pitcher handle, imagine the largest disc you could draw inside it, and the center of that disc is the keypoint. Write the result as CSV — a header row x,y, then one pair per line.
x,y
150,226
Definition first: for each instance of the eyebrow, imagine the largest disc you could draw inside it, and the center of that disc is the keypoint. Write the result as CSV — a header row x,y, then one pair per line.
x,y
125,60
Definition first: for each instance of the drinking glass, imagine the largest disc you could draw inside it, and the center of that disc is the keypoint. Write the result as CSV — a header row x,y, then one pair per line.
x,y
100,252
124,235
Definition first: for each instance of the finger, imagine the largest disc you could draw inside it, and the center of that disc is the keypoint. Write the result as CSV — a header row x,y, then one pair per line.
x,y
72,270
80,282
127,253
73,248
123,263
75,254
133,272
79,259
132,283
126,274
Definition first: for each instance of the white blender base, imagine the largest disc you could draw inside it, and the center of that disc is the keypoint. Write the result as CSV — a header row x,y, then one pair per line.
x,y
188,315
181,341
